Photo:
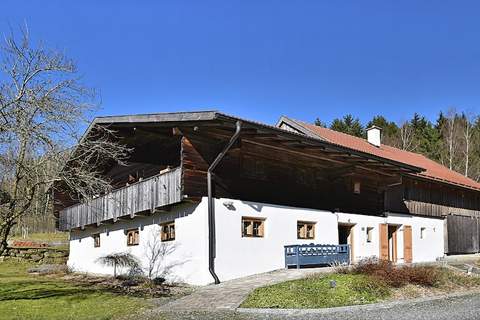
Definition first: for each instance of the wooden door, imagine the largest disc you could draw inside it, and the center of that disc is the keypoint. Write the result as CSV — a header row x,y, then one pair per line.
x,y
407,244
383,241
463,234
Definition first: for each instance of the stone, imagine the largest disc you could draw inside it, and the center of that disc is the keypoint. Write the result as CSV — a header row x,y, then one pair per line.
x,y
36,257
55,254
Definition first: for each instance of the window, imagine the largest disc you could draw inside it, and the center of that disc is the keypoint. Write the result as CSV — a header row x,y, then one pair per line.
x,y
357,187
168,231
423,233
369,234
305,230
252,227
133,237
96,240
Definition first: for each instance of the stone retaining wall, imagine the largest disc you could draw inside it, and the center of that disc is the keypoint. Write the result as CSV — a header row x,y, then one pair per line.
x,y
38,255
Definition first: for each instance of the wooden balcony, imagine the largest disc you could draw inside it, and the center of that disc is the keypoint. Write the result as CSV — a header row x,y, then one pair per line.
x,y
143,196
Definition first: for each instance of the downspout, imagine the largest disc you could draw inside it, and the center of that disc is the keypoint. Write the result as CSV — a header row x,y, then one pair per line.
x,y
211,202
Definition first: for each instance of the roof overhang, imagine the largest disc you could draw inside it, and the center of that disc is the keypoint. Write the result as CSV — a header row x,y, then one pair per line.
x,y
223,124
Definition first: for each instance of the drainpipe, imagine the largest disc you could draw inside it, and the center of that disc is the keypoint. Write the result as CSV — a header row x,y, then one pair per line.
x,y
211,202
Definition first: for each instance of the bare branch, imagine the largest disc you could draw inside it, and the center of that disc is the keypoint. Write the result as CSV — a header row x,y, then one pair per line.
x,y
43,107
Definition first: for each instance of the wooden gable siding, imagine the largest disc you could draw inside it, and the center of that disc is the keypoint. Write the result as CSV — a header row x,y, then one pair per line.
x,y
431,199
256,173
194,170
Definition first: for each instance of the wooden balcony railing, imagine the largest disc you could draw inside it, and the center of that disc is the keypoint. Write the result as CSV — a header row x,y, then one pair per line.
x,y
151,193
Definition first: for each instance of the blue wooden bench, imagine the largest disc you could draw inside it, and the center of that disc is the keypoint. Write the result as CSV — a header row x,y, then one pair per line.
x,y
316,254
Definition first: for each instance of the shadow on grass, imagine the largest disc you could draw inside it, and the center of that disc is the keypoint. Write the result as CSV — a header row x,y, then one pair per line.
x,y
34,290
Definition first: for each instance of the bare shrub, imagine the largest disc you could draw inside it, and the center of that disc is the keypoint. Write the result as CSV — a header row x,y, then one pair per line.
x,y
427,276
157,255
120,260
398,276
340,268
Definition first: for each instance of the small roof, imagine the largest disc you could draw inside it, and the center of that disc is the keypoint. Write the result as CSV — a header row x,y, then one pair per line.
x,y
432,170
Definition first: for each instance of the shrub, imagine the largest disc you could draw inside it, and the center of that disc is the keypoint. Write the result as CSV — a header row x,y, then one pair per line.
x,y
340,268
122,260
398,276
427,276
158,281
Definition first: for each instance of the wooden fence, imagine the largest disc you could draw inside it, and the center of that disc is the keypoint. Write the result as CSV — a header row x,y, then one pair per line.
x,y
148,194
316,254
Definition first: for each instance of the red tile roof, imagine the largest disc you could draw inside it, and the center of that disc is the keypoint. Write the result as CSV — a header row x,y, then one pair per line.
x,y
433,170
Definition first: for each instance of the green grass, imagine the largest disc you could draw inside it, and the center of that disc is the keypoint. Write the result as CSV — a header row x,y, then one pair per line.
x,y
315,292
450,278
27,297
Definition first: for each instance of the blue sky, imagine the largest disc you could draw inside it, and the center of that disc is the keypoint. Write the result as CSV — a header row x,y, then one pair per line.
x,y
261,59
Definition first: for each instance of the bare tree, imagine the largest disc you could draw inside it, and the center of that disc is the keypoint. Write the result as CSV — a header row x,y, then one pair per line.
x,y
43,107
467,134
449,133
156,254
407,137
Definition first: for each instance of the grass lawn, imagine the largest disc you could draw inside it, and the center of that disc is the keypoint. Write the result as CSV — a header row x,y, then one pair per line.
x,y
367,283
26,297
315,292
46,237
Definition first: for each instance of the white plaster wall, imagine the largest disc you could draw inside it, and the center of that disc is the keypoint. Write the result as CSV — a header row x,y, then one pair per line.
x,y
188,259
238,256
432,246
424,250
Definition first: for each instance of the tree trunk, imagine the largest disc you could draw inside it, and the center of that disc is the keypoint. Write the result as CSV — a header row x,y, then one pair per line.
x,y
4,232
467,154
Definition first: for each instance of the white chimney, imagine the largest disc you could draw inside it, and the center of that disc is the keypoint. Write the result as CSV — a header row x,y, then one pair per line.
x,y
374,136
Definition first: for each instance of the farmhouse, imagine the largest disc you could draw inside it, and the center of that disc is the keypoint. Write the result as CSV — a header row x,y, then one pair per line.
x,y
225,195
436,191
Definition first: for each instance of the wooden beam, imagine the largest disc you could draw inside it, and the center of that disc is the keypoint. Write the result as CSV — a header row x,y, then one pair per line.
x,y
314,156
